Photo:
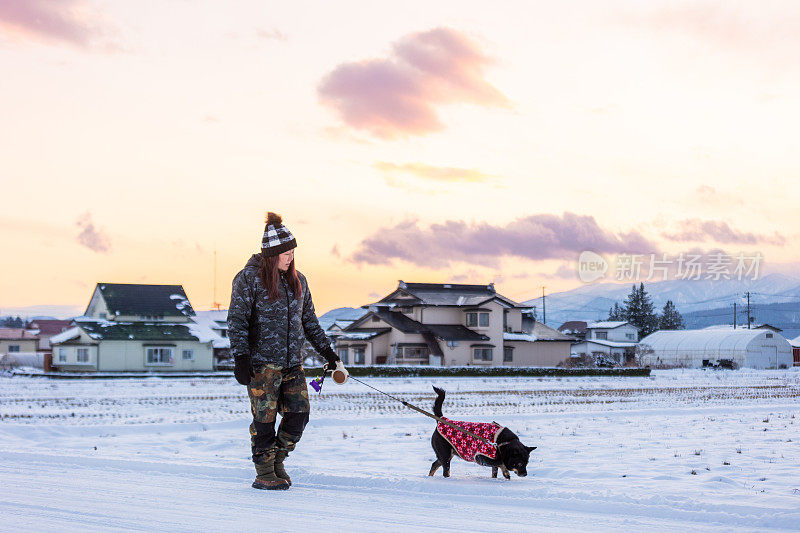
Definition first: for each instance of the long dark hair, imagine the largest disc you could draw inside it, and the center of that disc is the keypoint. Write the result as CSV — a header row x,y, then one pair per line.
x,y
269,273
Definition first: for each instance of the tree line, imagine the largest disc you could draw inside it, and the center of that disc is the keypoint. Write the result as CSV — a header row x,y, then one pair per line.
x,y
12,322
638,310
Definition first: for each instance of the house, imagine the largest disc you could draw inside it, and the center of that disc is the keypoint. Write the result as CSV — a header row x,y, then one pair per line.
x,y
18,340
443,324
795,350
19,347
613,338
214,325
574,328
769,327
132,327
752,348
46,328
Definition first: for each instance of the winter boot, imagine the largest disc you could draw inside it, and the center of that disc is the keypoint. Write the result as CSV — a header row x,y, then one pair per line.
x,y
286,445
265,473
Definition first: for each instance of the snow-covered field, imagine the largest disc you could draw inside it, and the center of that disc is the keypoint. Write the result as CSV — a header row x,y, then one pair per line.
x,y
681,450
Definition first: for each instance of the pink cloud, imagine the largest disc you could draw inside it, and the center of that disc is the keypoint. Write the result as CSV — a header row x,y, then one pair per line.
x,y
696,230
766,31
543,236
69,21
90,236
397,96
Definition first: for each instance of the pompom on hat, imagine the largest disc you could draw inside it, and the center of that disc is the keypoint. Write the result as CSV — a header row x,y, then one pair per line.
x,y
277,237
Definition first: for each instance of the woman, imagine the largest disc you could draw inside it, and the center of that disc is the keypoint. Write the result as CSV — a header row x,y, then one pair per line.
x,y
270,316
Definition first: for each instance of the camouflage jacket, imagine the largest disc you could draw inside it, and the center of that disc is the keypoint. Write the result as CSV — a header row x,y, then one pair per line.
x,y
277,329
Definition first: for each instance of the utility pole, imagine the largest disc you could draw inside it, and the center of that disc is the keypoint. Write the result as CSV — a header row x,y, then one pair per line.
x,y
544,308
734,315
748,309
216,305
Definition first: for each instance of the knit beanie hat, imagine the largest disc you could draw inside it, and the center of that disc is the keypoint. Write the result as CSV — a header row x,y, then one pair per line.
x,y
277,238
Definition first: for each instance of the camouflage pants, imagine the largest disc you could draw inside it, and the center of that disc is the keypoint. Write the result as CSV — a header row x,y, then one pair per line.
x,y
276,390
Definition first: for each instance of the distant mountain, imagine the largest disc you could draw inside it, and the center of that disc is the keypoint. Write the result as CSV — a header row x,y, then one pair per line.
x,y
592,302
341,313
785,316
39,311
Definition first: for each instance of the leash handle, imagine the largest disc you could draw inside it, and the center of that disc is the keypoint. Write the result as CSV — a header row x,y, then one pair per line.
x,y
430,415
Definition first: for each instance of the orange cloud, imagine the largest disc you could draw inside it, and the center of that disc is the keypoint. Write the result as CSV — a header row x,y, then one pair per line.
x,y
434,173
397,96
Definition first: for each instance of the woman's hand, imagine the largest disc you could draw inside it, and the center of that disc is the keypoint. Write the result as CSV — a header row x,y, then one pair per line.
x,y
243,370
332,359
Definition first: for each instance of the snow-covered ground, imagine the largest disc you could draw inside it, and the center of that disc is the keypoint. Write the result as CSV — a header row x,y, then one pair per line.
x,y
681,450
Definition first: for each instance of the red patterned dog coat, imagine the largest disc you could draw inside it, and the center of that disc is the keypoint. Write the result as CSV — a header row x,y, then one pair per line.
x,y
467,446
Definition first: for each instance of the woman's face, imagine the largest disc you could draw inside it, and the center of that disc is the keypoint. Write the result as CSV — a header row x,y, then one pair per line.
x,y
285,259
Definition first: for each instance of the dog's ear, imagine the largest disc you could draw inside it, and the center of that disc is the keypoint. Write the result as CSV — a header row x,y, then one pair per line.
x,y
530,448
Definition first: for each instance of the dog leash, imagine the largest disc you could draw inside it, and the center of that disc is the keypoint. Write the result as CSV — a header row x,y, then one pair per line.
x,y
431,415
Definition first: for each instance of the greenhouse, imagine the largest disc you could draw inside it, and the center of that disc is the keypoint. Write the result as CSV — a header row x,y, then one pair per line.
x,y
751,348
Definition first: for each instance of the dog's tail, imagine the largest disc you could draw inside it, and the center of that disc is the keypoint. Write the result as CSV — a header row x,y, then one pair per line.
x,y
437,405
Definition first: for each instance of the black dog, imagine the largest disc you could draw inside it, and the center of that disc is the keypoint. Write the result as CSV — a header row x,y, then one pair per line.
x,y
510,454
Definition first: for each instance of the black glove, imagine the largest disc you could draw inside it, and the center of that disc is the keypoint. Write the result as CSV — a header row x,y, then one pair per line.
x,y
243,370
331,357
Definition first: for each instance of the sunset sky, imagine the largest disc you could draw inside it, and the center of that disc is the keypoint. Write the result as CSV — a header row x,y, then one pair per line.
x,y
424,141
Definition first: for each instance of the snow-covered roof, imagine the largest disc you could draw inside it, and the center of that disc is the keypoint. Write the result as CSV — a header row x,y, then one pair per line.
x,y
606,324
527,337
65,336
140,331
795,342
704,340
206,326
359,335
16,334
544,332
610,344
139,299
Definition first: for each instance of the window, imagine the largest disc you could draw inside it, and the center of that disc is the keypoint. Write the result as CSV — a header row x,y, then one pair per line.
x,y
159,356
358,355
343,355
412,354
83,355
223,333
475,319
508,354
629,336
406,310
62,355
601,335
13,348
769,335
187,355
482,354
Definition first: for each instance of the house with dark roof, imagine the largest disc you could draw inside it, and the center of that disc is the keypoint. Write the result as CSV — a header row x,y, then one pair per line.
x,y
46,328
444,324
574,328
133,327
